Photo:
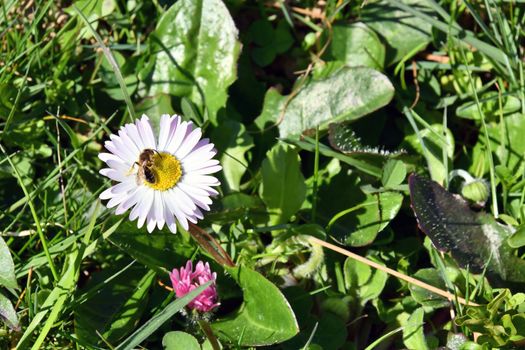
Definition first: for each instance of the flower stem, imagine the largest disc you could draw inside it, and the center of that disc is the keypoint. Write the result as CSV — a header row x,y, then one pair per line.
x,y
205,326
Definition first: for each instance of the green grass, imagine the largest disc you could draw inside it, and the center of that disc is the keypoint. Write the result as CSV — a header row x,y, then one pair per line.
x,y
445,95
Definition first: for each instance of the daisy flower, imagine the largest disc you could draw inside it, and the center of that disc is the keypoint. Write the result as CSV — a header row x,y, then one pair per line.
x,y
162,180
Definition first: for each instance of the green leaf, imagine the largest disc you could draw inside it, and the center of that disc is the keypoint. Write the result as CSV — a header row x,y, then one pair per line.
x,y
402,31
180,341
154,107
489,104
233,146
347,94
455,341
7,267
356,45
8,313
197,51
369,217
282,189
434,147
159,250
114,310
363,281
423,296
413,336
265,317
236,206
475,239
159,319
517,240
394,172
506,140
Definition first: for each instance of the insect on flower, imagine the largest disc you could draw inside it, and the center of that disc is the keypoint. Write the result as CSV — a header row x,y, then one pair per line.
x,y
162,180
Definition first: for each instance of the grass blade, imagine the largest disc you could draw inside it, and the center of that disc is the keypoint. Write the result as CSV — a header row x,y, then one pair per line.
x,y
156,321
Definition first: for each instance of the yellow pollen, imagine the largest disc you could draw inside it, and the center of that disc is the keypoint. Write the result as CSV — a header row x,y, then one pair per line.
x,y
167,171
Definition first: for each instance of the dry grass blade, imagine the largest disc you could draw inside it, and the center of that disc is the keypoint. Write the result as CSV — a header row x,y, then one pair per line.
x,y
394,273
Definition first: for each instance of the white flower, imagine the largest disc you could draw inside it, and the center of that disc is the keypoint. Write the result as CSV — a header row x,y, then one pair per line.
x,y
162,180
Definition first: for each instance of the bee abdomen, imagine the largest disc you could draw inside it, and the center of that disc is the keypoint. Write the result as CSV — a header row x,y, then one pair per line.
x,y
149,176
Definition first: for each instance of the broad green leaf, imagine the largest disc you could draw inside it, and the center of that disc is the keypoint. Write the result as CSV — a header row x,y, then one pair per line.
x,y
235,206
347,94
196,53
282,189
489,104
369,217
7,267
159,319
233,146
423,296
402,31
343,138
356,45
517,240
265,317
362,281
273,102
394,172
413,336
475,239
178,340
159,250
114,310
8,313
455,341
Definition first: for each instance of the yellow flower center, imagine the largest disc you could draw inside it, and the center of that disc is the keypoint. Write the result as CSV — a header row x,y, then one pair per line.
x,y
167,171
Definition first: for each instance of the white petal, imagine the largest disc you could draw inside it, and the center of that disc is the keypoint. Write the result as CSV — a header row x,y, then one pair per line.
x,y
207,170
133,133
200,156
188,144
178,137
202,180
146,132
116,200
133,198
159,210
175,209
164,131
107,194
144,206
168,215
173,127
110,146
128,156
113,174
193,190
186,203
130,143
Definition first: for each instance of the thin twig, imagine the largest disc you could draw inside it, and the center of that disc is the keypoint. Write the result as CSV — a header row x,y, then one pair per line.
x,y
52,117
416,83
209,244
394,273
29,274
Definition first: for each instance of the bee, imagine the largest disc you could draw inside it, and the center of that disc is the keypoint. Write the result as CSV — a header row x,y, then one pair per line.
x,y
146,163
